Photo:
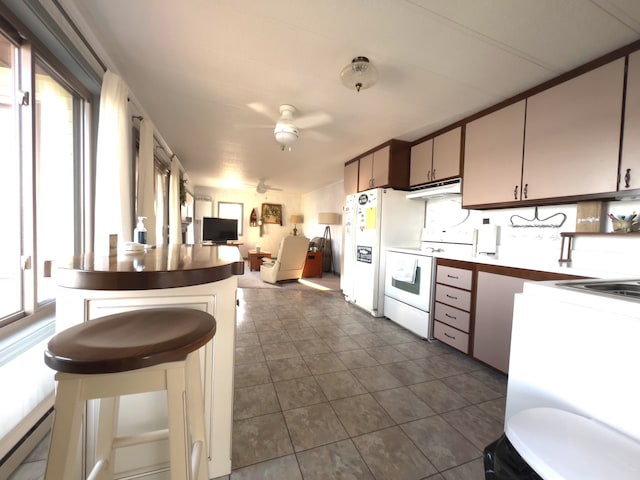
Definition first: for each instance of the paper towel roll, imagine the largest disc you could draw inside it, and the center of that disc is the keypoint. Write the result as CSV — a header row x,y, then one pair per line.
x,y
487,238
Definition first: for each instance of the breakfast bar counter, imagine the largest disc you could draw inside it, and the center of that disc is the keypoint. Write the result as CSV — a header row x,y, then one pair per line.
x,y
202,277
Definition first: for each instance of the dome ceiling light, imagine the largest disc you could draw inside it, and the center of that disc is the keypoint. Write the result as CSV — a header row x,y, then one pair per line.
x,y
359,74
286,132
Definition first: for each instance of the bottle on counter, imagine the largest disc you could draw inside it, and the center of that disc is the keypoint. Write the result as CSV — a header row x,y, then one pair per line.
x,y
140,232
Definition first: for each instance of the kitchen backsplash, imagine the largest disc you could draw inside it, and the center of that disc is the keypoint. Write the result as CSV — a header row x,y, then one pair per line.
x,y
535,233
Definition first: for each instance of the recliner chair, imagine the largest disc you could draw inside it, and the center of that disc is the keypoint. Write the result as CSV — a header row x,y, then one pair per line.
x,y
289,263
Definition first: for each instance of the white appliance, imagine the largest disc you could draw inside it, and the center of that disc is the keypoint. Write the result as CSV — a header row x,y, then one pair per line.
x,y
408,289
374,220
410,277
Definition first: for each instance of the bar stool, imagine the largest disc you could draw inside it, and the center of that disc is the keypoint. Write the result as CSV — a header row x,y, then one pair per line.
x,y
126,353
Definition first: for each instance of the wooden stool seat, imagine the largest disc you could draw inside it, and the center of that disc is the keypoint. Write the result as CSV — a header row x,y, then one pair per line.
x,y
127,353
130,340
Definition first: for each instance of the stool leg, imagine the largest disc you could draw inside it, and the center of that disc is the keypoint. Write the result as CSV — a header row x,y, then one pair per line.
x,y
199,468
107,432
179,453
65,434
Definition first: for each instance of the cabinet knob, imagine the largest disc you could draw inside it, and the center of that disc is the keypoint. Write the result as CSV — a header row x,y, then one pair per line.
x,y
515,193
627,178
526,190
433,176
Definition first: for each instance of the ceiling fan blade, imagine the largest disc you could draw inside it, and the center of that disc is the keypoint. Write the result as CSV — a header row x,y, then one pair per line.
x,y
262,109
253,125
313,120
317,136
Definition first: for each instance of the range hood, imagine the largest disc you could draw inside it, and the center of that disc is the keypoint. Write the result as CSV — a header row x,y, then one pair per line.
x,y
440,189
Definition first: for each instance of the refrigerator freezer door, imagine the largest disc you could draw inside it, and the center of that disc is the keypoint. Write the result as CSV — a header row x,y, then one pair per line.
x,y
367,243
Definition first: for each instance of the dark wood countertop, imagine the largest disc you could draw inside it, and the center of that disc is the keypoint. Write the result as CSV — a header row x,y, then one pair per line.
x,y
163,267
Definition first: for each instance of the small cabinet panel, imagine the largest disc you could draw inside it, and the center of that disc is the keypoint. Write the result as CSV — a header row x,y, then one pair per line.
x,y
451,336
365,173
381,166
453,296
452,316
572,138
630,164
351,178
446,155
421,163
456,277
494,313
493,157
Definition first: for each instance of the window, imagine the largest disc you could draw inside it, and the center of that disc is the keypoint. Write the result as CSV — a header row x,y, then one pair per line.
x,y
231,210
42,157
10,243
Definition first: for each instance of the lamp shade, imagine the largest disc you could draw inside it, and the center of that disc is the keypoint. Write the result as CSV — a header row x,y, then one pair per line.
x,y
328,218
296,218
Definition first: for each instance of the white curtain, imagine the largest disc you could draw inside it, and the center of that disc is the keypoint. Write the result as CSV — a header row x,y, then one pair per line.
x,y
113,166
175,222
146,181
161,195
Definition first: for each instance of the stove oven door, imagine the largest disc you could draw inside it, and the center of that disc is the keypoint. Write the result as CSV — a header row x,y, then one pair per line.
x,y
409,279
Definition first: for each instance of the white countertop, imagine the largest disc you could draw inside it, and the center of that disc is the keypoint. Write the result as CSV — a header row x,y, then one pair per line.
x,y
593,266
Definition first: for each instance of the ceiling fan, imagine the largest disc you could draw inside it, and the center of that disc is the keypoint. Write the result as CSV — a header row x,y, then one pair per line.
x,y
264,188
287,127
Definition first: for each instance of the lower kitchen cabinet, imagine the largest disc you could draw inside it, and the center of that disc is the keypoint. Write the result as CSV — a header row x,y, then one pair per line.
x,y
493,316
473,307
453,305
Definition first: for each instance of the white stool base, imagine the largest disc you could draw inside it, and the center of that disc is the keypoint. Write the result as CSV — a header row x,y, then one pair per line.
x,y
187,443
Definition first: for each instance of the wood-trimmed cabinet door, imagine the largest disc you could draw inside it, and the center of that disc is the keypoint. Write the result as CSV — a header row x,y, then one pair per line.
x,y
381,167
572,135
493,318
630,164
365,175
493,157
446,155
351,177
421,163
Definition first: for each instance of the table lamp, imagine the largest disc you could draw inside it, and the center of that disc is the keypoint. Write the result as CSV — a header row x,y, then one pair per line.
x,y
295,219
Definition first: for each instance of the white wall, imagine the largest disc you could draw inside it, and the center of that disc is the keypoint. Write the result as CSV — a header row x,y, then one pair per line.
x,y
327,199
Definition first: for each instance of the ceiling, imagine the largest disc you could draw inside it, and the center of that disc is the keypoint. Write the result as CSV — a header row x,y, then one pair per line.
x,y
196,66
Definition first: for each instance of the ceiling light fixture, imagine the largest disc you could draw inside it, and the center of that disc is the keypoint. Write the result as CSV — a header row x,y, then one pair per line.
x,y
286,132
359,74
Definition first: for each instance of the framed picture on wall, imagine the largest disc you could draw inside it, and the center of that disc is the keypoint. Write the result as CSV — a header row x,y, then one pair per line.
x,y
272,213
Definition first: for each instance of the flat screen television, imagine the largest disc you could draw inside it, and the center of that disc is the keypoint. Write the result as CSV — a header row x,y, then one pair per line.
x,y
219,230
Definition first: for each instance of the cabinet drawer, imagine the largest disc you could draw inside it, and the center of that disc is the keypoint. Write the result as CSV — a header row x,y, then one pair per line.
x,y
451,336
456,277
454,297
452,316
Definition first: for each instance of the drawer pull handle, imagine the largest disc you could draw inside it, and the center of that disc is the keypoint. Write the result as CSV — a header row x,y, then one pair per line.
x,y
450,316
455,277
451,296
449,336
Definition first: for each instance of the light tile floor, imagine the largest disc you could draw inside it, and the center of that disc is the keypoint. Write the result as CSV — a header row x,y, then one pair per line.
x,y
325,391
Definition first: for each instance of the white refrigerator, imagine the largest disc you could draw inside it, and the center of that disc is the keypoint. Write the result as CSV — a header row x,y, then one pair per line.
x,y
374,220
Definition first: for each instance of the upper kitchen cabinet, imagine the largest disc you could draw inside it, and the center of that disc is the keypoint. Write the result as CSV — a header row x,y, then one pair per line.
x,y
351,177
572,136
387,166
630,164
493,157
437,158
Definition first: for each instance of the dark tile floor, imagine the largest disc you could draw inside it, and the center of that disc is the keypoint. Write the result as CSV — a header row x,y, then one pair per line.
x,y
325,391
